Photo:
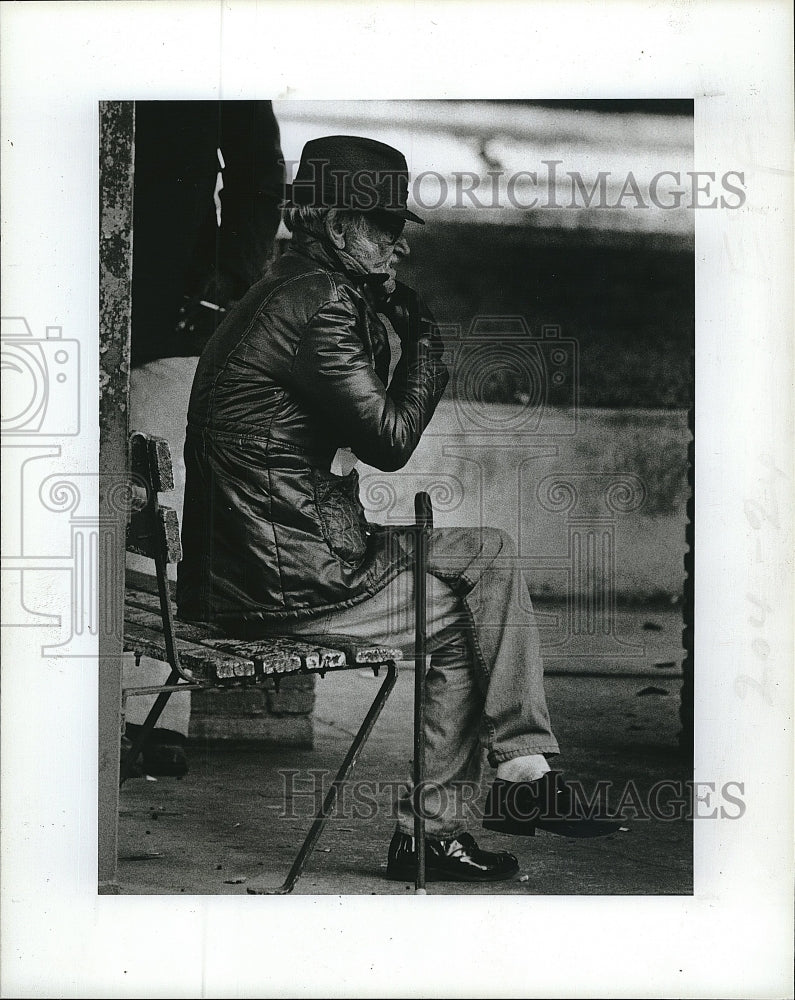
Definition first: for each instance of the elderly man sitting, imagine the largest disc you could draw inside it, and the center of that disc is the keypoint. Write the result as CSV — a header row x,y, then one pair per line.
x,y
274,541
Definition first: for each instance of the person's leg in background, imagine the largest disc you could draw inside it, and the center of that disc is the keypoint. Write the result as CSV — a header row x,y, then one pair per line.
x,y
164,752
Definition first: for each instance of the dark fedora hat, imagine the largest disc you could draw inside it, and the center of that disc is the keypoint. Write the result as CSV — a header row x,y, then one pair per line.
x,y
352,172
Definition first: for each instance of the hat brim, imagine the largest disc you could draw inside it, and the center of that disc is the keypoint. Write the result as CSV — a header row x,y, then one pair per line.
x,y
409,216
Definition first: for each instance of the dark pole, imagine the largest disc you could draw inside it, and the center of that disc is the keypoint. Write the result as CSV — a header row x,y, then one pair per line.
x,y
424,525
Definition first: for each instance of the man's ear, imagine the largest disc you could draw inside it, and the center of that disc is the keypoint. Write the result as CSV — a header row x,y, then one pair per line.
x,y
334,229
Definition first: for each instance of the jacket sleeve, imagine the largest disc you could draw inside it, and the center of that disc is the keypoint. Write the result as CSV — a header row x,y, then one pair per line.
x,y
332,371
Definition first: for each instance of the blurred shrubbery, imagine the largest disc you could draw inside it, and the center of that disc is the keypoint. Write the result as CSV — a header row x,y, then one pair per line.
x,y
631,309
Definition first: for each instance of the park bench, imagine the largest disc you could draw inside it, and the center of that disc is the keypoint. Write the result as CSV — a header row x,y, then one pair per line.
x,y
202,657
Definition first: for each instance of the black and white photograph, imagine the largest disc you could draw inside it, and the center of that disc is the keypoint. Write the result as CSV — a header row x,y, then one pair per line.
x,y
397,434
332,349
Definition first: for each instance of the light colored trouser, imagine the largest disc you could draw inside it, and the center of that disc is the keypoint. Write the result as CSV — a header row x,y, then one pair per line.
x,y
485,685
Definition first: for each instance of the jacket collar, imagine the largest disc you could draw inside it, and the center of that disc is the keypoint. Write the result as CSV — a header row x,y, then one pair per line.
x,y
369,286
322,251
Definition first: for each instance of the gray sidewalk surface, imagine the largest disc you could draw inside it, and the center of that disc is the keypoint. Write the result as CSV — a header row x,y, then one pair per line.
x,y
229,824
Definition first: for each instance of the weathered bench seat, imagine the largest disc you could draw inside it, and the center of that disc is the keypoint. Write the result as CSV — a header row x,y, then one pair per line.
x,y
218,660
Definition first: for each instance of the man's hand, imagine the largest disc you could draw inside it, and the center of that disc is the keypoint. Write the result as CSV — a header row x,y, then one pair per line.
x,y
412,320
408,313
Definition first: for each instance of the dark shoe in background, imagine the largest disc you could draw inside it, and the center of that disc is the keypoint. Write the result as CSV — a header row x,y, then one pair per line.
x,y
458,859
162,756
522,807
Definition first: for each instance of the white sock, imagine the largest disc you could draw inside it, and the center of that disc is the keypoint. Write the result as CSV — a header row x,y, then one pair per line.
x,y
529,768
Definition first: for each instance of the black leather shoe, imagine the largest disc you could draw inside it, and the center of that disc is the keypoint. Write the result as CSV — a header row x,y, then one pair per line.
x,y
163,753
522,807
458,859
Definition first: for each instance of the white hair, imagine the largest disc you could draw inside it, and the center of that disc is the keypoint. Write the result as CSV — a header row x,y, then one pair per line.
x,y
313,220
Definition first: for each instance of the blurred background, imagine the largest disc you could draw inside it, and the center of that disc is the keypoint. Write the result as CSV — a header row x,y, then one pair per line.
x,y
570,329
617,279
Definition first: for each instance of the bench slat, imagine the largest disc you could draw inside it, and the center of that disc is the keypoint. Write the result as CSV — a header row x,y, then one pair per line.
x,y
314,651
208,665
311,657
142,599
209,661
270,655
355,650
152,453
182,630
161,464
139,534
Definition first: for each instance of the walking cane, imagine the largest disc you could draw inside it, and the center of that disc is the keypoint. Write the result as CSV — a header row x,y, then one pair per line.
x,y
424,526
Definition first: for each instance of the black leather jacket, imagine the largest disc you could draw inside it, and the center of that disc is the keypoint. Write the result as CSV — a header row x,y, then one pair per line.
x,y
297,370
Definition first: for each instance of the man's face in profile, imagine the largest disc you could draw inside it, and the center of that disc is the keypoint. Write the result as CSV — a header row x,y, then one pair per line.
x,y
379,245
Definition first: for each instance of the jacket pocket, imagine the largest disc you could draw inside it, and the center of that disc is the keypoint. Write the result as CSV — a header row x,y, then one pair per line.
x,y
341,514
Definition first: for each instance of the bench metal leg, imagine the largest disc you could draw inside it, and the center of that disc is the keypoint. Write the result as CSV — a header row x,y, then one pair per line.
x,y
330,800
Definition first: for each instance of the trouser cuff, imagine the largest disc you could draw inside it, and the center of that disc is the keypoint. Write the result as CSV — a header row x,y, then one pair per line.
x,y
431,831
548,749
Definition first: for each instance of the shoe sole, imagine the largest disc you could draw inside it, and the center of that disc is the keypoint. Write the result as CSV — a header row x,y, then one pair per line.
x,y
519,829
515,827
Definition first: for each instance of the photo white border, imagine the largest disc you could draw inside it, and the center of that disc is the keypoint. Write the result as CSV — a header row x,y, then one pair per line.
x,y
733,938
